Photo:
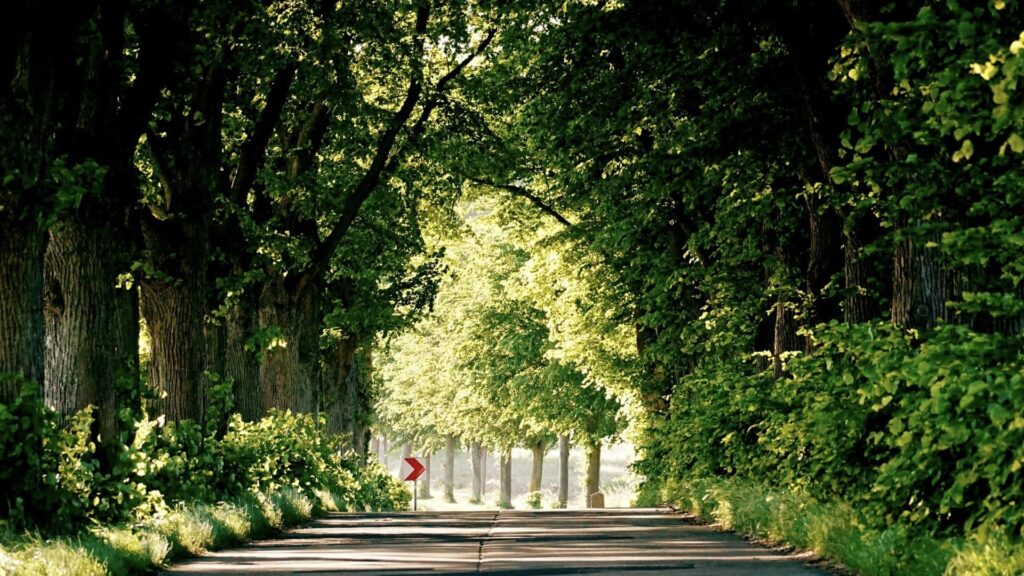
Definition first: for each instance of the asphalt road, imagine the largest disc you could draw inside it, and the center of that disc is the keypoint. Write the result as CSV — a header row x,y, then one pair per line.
x,y
623,541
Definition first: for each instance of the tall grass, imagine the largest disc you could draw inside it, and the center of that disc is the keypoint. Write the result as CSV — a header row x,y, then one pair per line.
x,y
183,531
835,531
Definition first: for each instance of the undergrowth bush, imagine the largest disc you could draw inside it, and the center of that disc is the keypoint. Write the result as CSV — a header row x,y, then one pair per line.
x,y
921,433
55,480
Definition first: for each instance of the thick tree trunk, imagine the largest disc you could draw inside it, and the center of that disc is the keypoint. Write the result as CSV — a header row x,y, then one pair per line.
x,y
241,364
21,307
537,470
593,470
289,373
563,471
476,462
425,479
505,493
449,468
859,304
340,377
174,317
825,258
92,325
357,386
919,285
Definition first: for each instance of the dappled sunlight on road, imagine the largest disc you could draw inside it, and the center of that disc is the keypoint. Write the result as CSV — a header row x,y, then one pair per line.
x,y
619,541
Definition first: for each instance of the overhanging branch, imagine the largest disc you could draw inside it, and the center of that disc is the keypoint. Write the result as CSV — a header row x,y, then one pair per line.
x,y
524,193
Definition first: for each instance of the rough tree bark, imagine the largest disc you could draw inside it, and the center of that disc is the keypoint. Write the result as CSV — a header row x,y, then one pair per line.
x,y
240,363
91,324
918,285
290,370
340,375
174,313
21,307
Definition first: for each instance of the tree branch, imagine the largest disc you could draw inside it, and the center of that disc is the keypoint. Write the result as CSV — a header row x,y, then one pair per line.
x,y
384,162
524,193
254,150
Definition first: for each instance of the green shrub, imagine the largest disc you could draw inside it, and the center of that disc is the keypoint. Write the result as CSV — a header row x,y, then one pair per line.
x,y
52,479
534,499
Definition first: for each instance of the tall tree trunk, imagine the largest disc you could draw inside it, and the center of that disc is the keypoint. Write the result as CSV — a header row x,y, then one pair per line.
x,y
483,471
859,304
786,338
406,453
919,285
476,462
174,317
593,470
340,376
91,324
357,387
215,335
537,470
505,492
449,468
289,373
240,362
825,258
563,471
425,479
22,329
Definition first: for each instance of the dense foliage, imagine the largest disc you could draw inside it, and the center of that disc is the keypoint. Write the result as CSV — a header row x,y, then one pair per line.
x,y
786,238
161,465
810,214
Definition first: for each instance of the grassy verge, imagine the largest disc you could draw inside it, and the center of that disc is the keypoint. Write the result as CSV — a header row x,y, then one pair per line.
x,y
181,532
836,532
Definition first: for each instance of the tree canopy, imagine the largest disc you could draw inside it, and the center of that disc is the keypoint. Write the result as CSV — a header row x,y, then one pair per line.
x,y
781,242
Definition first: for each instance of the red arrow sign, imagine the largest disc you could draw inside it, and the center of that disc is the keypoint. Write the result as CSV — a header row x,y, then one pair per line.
x,y
417,469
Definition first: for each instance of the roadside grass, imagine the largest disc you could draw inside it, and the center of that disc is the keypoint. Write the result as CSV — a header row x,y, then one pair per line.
x,y
183,531
834,531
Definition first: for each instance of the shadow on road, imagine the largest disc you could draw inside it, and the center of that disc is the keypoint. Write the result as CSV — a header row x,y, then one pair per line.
x,y
623,541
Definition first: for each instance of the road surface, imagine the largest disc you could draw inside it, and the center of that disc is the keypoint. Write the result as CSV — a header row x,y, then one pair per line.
x,y
509,543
